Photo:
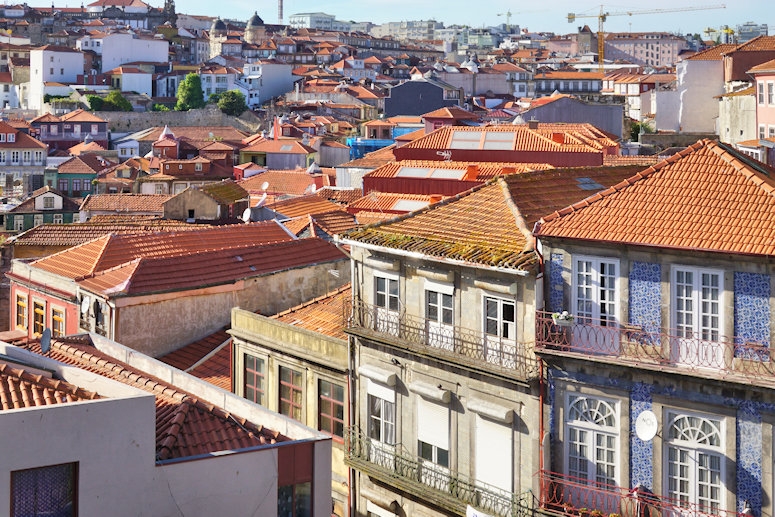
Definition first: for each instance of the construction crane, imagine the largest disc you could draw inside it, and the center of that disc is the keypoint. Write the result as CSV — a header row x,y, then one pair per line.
x,y
507,14
603,15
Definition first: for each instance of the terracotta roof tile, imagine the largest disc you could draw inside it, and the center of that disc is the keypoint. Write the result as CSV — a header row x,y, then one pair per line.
x,y
20,388
491,224
125,202
165,273
306,205
113,250
225,192
707,197
470,171
208,359
322,315
339,195
281,182
75,234
185,425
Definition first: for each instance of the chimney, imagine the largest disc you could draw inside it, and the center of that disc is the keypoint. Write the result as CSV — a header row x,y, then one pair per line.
x,y
471,172
532,123
558,137
435,198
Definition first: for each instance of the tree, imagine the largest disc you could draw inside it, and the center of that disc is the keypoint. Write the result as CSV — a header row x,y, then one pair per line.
x,y
114,101
95,102
190,94
232,103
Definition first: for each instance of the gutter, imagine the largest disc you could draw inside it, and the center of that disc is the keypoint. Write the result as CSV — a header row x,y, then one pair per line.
x,y
422,256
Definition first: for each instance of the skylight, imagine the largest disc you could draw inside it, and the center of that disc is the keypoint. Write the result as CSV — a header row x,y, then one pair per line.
x,y
499,140
448,174
408,205
465,140
589,184
413,172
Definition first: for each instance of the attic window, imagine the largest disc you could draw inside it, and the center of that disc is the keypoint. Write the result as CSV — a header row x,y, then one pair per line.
x,y
589,184
11,137
197,166
286,147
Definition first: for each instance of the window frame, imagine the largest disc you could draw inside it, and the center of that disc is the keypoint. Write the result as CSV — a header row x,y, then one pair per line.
x,y
593,431
22,318
286,405
595,312
58,327
381,427
334,405
38,316
255,375
71,478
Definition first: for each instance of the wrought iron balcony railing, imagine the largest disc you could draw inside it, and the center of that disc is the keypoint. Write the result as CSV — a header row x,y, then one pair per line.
x,y
687,352
440,486
575,497
460,344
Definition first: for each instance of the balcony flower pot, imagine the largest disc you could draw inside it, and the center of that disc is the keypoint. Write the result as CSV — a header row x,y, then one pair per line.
x,y
562,319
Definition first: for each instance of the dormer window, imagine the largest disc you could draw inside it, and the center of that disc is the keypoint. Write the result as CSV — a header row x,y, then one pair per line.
x,y
2,137
198,167
11,137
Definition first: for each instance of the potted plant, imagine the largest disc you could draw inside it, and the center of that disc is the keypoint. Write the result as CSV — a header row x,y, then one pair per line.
x,y
562,319
568,508
595,513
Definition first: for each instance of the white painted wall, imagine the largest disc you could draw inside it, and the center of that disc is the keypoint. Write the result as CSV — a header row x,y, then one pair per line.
x,y
118,49
139,83
51,66
699,82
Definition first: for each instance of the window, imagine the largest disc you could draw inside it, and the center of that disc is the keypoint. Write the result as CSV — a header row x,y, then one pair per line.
x,y
696,305
15,157
159,188
38,317
21,312
57,322
76,186
594,291
762,133
18,223
592,443
198,167
770,93
45,491
58,219
760,91
255,376
290,393
695,462
95,129
331,408
500,328
295,500
26,156
387,303
494,461
433,441
381,413
37,219
439,315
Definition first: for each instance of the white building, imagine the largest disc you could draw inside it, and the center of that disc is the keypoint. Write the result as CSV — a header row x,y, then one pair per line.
x,y
52,67
119,48
109,447
318,21
700,80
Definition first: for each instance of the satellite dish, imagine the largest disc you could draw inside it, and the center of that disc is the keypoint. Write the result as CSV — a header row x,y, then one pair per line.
x,y
261,201
84,305
265,185
45,340
646,425
246,215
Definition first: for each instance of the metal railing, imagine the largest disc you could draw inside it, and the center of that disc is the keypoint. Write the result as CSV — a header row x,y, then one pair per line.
x,y
687,352
575,497
441,486
457,343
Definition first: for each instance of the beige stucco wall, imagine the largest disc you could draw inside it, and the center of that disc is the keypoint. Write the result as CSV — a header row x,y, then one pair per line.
x,y
158,324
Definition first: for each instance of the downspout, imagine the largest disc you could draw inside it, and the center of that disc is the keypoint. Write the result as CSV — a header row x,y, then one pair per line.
x,y
541,381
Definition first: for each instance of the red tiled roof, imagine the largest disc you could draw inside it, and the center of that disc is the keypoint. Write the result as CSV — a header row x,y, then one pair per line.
x,y
294,183
125,202
67,235
305,205
476,171
208,359
322,315
20,388
706,197
544,137
113,250
165,273
185,425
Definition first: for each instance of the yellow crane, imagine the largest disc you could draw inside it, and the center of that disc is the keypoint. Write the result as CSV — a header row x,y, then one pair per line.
x,y
507,14
603,15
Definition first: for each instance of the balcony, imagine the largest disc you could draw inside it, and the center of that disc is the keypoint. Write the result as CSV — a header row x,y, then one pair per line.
x,y
696,353
461,345
395,466
575,497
